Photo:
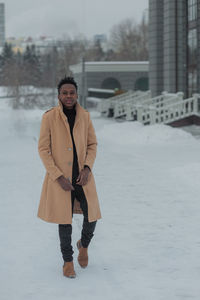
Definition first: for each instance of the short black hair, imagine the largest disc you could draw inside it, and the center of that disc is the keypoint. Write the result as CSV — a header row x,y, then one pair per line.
x,y
67,80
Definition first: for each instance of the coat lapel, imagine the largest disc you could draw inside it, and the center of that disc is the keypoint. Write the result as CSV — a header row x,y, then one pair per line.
x,y
64,118
79,111
78,114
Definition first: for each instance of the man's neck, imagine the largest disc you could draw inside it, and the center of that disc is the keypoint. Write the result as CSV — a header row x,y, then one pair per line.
x,y
69,108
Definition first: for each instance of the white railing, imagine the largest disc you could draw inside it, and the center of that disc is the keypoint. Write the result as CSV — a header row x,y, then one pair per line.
x,y
163,99
139,106
128,107
169,113
122,108
106,105
157,102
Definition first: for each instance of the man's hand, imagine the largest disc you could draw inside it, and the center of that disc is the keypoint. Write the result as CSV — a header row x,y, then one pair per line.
x,y
65,183
83,176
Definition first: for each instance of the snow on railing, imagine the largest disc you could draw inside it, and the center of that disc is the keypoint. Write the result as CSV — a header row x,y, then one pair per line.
x,y
130,109
169,112
123,108
106,105
139,106
163,99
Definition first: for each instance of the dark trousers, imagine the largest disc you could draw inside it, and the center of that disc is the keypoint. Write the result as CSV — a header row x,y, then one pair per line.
x,y
65,230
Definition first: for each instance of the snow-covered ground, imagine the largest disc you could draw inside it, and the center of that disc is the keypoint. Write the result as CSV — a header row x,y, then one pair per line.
x,y
147,245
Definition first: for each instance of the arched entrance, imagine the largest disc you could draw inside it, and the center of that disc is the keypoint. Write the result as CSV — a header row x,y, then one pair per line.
x,y
111,83
142,84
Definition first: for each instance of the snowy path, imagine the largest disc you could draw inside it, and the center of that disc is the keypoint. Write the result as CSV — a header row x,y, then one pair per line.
x,y
146,246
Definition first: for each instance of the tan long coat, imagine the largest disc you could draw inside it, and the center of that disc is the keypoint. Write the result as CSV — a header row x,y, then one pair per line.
x,y
56,151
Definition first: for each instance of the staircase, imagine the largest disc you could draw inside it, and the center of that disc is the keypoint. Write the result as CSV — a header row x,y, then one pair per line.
x,y
167,108
107,106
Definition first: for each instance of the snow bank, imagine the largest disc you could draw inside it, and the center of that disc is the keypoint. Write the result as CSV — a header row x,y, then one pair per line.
x,y
188,173
130,133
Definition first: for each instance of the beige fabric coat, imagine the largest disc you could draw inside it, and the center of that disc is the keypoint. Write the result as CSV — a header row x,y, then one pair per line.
x,y
56,151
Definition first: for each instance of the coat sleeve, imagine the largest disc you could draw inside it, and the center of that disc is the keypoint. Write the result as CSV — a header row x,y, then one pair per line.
x,y
91,145
44,149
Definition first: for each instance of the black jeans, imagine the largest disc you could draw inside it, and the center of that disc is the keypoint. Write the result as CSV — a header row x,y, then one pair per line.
x,y
65,230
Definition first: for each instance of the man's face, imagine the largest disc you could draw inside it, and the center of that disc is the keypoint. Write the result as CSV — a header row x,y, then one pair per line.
x,y
68,95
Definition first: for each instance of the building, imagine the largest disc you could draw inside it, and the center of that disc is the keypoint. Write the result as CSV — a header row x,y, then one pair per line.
x,y
2,24
174,37
101,39
42,44
112,75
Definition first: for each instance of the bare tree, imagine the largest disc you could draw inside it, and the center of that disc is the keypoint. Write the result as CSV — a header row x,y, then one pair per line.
x,y
71,53
129,40
143,32
94,52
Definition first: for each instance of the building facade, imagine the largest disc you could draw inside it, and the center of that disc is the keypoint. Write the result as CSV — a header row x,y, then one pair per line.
x,y
174,37
112,75
2,24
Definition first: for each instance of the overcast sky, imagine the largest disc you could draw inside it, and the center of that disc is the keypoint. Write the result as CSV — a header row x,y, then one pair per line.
x,y
68,17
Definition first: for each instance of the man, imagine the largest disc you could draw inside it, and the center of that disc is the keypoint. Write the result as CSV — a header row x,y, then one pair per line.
x,y
67,147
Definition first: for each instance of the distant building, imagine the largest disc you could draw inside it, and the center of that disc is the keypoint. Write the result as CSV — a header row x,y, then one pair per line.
x,y
102,40
174,37
2,24
42,44
113,75
146,16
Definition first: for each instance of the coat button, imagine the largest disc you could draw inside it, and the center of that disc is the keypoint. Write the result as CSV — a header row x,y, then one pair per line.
x,y
69,163
69,149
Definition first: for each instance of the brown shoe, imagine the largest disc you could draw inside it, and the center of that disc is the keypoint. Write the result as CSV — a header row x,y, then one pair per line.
x,y
83,255
68,269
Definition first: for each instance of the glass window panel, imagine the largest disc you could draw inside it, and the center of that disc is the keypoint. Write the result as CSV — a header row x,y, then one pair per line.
x,y
192,61
192,10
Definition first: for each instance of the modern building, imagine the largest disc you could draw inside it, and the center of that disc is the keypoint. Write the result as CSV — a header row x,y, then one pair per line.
x,y
2,24
174,37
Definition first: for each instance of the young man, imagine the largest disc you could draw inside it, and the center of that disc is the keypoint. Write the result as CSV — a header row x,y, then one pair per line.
x,y
67,147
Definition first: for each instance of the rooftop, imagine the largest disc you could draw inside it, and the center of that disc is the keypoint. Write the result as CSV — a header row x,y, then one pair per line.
x,y
111,66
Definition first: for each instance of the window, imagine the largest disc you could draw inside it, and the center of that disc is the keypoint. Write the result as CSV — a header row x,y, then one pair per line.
x,y
192,10
192,47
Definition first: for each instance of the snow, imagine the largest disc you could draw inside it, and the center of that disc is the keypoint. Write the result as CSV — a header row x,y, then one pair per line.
x,y
147,245
101,90
117,62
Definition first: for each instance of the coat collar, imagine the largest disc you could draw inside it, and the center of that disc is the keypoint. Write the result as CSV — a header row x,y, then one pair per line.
x,y
79,111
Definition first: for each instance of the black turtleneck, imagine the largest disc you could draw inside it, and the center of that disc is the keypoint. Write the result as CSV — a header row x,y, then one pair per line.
x,y
71,115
